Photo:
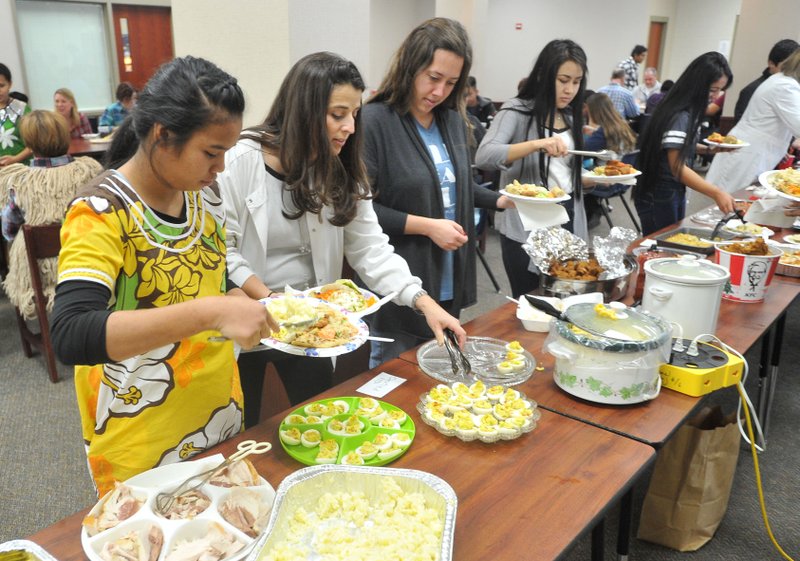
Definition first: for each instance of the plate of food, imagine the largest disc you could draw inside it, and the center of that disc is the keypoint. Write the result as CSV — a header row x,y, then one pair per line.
x,y
230,510
356,431
784,182
747,229
725,141
528,193
346,294
613,171
313,327
478,412
792,239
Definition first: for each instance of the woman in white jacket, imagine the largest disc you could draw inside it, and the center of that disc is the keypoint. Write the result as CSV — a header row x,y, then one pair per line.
x,y
770,121
298,203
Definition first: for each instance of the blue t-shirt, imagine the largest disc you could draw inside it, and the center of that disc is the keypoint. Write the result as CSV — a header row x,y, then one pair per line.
x,y
447,181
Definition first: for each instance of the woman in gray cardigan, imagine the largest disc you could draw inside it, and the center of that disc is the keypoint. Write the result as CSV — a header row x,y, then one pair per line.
x,y
418,161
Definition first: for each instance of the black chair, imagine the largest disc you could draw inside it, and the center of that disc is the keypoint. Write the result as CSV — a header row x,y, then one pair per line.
x,y
480,234
603,193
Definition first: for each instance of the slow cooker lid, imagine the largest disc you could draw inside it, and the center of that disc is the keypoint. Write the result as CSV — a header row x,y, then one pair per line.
x,y
687,269
616,324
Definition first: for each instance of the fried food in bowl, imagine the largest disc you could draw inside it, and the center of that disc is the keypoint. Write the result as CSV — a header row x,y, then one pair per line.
x,y
576,269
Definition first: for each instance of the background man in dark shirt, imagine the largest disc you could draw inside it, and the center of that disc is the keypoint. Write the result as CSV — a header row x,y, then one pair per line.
x,y
780,51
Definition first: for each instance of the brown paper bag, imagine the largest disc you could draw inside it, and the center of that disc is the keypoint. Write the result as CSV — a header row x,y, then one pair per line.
x,y
691,482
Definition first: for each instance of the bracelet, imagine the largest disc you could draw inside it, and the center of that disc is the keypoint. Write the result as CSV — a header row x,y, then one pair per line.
x,y
420,293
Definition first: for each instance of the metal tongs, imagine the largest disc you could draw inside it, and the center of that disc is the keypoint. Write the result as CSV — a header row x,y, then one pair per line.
x,y
724,220
462,369
165,500
600,155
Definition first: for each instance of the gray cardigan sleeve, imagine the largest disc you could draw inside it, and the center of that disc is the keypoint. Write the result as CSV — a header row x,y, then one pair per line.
x,y
507,128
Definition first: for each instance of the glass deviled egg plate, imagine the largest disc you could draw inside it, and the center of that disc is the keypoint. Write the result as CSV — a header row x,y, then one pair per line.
x,y
360,431
477,412
125,521
493,361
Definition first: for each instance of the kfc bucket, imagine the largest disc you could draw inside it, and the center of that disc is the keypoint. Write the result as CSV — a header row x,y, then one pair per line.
x,y
752,266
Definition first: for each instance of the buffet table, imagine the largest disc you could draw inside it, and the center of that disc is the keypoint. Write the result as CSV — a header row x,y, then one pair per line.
x,y
527,498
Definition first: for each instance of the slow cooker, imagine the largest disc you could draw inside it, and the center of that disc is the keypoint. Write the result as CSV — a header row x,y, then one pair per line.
x,y
609,354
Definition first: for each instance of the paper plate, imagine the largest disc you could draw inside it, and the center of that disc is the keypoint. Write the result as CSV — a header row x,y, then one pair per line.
x,y
611,179
726,145
764,179
347,443
534,200
358,340
747,229
368,296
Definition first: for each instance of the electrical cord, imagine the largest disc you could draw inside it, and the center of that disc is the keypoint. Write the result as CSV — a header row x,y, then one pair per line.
x,y
761,501
744,399
750,436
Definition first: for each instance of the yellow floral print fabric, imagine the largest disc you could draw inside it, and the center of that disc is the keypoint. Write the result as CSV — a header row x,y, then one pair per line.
x,y
175,401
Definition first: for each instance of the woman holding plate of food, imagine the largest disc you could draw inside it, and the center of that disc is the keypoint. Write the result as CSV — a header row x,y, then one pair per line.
x,y
670,141
298,203
529,141
770,121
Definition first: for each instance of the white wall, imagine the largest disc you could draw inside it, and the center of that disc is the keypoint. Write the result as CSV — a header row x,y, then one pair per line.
x,y
320,25
250,42
762,23
390,21
510,54
700,27
9,47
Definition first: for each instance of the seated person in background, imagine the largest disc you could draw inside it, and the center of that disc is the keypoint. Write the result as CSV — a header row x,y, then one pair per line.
x,y
67,107
481,107
117,111
12,150
621,98
656,98
40,194
779,52
650,86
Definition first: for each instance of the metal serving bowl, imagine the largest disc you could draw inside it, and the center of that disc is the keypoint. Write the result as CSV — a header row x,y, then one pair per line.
x,y
612,289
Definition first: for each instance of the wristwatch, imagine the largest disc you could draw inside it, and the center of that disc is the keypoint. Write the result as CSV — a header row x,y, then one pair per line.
x,y
420,293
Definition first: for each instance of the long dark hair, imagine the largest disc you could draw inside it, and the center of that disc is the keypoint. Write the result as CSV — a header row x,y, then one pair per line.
x,y
415,54
295,130
184,95
690,94
539,90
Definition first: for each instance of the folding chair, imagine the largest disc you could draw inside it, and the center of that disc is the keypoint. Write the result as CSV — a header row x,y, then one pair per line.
x,y
606,192
40,242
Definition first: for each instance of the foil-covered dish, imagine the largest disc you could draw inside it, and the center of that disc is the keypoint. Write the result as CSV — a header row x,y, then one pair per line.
x,y
328,511
23,550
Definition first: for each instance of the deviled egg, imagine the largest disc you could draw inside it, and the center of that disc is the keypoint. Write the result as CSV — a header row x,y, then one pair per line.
x,y
367,450
313,420
327,456
353,459
401,439
310,438
315,408
367,403
335,426
398,415
481,406
291,436
505,367
295,420
514,346
495,392
389,453
382,441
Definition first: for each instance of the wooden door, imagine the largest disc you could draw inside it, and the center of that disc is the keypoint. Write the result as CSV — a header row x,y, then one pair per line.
x,y
144,41
655,41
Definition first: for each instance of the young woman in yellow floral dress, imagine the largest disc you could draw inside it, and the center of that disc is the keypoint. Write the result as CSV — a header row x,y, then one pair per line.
x,y
141,297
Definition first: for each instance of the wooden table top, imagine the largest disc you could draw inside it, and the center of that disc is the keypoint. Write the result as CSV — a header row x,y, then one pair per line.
x,y
740,325
83,147
527,498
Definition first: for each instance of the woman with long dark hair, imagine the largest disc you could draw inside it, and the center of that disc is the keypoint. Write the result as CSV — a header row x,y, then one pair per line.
x,y
670,140
418,161
298,203
140,303
528,141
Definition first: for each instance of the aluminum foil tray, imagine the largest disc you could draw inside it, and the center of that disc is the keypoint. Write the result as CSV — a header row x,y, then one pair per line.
x,y
304,487
27,546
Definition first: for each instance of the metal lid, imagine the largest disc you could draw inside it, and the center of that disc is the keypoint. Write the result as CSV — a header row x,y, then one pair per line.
x,y
613,328
687,269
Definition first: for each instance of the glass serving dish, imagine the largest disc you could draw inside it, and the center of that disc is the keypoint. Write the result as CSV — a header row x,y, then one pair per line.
x,y
485,354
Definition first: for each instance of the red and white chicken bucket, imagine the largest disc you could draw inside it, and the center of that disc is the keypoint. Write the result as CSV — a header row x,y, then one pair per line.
x,y
751,275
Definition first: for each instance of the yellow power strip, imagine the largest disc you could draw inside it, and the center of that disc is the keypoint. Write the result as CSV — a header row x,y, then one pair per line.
x,y
694,379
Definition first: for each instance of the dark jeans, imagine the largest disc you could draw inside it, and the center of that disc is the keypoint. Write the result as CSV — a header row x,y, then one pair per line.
x,y
302,376
516,262
659,208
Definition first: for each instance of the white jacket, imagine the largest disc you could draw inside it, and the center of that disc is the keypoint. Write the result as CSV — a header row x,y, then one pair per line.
x,y
771,119
250,205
